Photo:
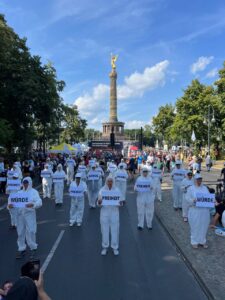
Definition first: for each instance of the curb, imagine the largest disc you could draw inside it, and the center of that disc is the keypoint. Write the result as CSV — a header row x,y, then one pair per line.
x,y
187,262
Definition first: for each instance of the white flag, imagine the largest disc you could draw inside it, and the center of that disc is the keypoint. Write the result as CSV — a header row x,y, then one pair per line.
x,y
193,138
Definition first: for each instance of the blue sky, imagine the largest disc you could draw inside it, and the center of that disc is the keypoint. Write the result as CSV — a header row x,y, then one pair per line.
x,y
162,45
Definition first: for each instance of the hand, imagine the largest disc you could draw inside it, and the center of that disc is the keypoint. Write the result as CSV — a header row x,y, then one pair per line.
x,y
121,203
100,202
30,205
212,226
10,205
40,283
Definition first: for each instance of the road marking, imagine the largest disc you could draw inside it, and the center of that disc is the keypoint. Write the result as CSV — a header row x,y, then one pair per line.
x,y
3,206
51,253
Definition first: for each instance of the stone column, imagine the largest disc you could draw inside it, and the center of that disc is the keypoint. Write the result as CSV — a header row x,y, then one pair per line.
x,y
113,96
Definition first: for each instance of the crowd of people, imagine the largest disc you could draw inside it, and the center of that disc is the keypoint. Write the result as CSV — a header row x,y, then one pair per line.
x,y
104,183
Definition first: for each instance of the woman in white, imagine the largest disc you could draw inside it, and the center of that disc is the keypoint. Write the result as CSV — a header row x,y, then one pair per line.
x,y
46,175
198,217
77,190
145,199
185,185
58,179
109,217
121,181
93,186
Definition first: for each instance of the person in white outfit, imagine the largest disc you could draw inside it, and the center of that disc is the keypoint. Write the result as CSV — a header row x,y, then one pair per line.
x,y
83,170
13,186
58,179
156,176
121,177
26,219
198,217
46,175
17,170
112,168
77,190
145,199
101,174
70,165
177,175
123,164
109,216
185,185
93,186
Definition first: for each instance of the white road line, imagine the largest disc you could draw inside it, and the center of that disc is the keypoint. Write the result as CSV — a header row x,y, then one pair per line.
x,y
3,206
51,253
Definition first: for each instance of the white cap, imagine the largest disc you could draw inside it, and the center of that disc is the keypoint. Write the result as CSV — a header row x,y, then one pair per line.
x,y
145,170
78,175
178,162
198,176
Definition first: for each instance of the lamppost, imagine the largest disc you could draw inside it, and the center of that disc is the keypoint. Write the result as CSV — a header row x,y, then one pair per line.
x,y
209,121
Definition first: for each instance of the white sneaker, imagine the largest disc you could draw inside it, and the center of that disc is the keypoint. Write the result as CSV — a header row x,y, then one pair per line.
x,y
116,252
78,224
104,251
71,224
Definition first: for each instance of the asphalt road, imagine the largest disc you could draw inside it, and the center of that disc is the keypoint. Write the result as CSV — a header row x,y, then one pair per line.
x,y
148,266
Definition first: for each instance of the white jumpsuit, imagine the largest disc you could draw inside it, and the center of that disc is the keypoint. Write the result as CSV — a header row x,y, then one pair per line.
x,y
26,220
198,217
112,168
47,183
109,220
145,201
93,187
101,176
156,176
58,180
70,165
185,184
77,201
177,176
121,183
83,170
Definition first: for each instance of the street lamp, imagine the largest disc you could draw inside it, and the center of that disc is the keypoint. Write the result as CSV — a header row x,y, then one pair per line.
x,y
209,120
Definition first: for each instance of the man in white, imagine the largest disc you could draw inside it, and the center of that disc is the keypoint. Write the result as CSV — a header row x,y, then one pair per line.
x,y
198,217
156,176
58,179
77,190
145,199
17,170
13,186
185,185
83,170
26,219
46,175
123,164
112,168
177,175
70,165
121,181
93,186
109,216
101,174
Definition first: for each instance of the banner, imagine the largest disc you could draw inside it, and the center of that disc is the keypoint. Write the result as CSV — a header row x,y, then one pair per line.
x,y
70,161
179,174
93,176
156,173
13,185
143,186
58,178
10,173
121,177
82,168
205,200
19,199
76,192
46,174
110,198
112,168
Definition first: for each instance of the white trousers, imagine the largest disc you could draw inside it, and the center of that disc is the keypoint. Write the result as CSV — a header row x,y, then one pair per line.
x,y
177,196
199,219
26,230
185,206
47,189
76,210
109,219
70,174
92,197
157,192
13,216
145,210
58,191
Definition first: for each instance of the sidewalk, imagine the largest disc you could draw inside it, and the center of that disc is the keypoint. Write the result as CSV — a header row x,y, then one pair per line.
x,y
218,164
208,263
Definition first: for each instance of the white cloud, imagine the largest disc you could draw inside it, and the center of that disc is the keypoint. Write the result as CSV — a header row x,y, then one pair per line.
x,y
95,104
135,124
212,73
201,64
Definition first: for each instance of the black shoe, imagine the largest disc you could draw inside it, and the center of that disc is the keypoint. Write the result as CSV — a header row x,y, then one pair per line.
x,y
140,228
149,228
20,254
33,254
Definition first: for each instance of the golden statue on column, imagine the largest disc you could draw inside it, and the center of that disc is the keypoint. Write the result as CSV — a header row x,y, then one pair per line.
x,y
113,60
